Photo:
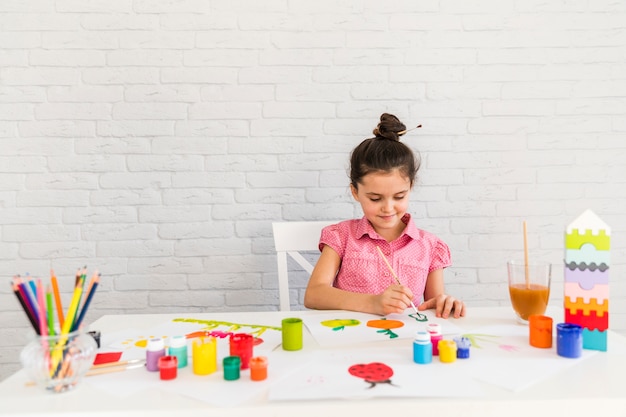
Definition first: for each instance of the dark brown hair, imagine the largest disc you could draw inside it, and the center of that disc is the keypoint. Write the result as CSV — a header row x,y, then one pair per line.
x,y
384,152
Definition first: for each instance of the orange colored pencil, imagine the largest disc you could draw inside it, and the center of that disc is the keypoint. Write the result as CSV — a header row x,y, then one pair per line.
x,y
57,297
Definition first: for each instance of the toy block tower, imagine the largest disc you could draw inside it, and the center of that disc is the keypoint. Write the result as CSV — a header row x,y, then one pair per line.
x,y
586,281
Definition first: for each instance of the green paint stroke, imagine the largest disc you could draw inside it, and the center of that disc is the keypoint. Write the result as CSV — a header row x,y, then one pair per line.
x,y
474,338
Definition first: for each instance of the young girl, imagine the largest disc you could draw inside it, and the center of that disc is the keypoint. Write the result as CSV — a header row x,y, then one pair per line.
x,y
351,274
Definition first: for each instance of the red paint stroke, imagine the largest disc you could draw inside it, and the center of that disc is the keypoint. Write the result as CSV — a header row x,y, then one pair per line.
x,y
219,334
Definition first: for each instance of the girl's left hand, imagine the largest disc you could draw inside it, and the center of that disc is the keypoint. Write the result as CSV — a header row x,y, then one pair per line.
x,y
444,305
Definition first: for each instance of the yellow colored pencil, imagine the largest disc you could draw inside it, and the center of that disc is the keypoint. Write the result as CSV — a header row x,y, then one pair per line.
x,y
67,325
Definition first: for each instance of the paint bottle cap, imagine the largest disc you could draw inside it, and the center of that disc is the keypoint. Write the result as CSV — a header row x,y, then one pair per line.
x,y
156,344
422,336
178,341
434,328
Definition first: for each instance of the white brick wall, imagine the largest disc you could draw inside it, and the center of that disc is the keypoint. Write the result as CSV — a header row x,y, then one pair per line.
x,y
157,141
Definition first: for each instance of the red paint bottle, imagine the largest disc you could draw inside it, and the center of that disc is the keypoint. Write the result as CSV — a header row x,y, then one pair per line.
x,y
168,367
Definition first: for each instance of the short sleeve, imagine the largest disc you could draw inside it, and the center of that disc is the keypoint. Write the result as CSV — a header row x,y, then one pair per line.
x,y
441,256
331,236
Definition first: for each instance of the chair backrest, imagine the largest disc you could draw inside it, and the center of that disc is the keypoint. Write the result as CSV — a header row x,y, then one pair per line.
x,y
289,239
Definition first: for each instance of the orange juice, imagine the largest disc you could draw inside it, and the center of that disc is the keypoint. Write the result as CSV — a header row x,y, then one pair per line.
x,y
527,300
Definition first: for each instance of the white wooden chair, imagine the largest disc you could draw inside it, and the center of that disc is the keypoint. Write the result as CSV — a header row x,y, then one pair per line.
x,y
289,239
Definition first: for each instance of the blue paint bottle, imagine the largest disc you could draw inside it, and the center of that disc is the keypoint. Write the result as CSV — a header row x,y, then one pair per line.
x,y
569,340
178,348
422,348
462,347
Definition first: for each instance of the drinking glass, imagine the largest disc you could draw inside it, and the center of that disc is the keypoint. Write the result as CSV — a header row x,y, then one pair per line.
x,y
57,363
529,288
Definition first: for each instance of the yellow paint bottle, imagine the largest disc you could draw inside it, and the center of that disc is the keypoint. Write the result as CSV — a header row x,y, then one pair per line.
x,y
447,351
204,355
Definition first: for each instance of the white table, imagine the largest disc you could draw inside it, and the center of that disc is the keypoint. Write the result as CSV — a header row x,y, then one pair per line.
x,y
595,386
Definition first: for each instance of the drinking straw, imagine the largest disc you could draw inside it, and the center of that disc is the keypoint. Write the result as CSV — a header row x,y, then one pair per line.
x,y
50,311
29,313
382,255
526,256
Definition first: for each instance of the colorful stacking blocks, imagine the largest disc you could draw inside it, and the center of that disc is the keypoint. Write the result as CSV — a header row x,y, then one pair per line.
x,y
586,283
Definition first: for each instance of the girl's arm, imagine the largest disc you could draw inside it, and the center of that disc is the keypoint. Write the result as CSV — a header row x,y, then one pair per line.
x,y
321,295
436,298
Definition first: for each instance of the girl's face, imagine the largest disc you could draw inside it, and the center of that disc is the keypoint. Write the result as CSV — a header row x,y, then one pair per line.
x,y
384,198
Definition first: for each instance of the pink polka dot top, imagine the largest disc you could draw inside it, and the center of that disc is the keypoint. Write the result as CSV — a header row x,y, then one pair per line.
x,y
412,256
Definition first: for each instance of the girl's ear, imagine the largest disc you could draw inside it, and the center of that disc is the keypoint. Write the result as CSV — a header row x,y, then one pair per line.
x,y
354,192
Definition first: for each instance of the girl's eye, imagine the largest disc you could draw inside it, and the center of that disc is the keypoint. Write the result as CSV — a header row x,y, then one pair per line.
x,y
374,199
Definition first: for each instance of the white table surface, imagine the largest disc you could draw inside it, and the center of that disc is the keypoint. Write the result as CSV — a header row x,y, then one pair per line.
x,y
595,386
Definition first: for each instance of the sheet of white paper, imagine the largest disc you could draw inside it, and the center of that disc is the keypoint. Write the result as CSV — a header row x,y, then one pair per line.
x,y
328,376
336,329
502,355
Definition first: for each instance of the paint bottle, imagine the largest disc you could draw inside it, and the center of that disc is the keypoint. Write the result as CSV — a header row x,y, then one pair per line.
x,y
241,345
569,340
462,347
292,333
232,365
178,348
204,355
540,331
258,368
447,351
435,336
168,367
154,350
422,348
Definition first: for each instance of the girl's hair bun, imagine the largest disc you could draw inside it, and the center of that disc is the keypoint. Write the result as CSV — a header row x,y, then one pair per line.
x,y
390,127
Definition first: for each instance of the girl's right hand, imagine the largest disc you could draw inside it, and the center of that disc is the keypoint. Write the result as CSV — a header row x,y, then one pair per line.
x,y
395,299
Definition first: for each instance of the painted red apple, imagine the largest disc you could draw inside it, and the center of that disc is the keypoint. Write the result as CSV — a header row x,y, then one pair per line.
x,y
374,373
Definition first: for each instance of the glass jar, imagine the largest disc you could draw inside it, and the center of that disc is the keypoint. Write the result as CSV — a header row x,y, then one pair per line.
x,y
57,363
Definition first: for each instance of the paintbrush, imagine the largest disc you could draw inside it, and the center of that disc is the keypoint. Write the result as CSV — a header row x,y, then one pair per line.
x,y
119,363
108,370
382,255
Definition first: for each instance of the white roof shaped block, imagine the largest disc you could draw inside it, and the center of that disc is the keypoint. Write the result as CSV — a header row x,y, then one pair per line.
x,y
589,221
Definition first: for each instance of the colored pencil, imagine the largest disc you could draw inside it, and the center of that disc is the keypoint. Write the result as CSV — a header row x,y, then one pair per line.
x,y
92,290
33,287
28,312
65,330
43,324
57,297
29,301
382,255
81,283
50,311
